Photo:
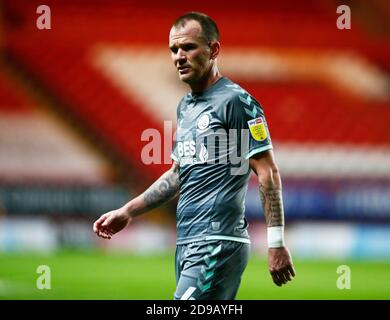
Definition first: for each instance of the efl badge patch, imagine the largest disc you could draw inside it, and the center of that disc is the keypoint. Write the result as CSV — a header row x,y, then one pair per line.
x,y
257,129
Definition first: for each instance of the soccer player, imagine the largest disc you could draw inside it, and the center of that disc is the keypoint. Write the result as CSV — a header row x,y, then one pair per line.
x,y
212,239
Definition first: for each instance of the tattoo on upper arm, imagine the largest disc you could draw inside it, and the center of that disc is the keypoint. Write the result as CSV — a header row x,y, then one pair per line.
x,y
163,189
271,198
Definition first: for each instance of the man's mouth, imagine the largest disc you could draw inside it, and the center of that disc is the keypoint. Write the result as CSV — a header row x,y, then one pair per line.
x,y
184,69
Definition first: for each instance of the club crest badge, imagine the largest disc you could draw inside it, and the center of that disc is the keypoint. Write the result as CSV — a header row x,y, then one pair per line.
x,y
257,129
203,122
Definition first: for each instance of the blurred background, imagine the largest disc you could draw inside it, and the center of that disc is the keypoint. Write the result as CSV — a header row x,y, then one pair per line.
x,y
75,100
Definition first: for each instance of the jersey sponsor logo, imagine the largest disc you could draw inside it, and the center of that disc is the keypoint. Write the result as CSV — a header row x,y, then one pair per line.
x,y
257,129
203,154
203,122
187,153
186,148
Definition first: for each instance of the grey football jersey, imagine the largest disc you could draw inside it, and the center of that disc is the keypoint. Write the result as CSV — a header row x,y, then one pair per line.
x,y
217,132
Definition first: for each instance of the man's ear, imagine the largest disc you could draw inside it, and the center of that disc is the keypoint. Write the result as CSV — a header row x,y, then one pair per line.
x,y
215,46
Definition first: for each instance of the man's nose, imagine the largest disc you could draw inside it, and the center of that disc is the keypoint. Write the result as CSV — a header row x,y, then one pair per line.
x,y
180,56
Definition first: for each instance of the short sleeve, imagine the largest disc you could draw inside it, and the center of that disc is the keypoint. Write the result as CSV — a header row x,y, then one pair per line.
x,y
245,114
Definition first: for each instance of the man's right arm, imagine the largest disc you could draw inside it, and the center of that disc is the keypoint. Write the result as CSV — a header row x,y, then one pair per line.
x,y
161,191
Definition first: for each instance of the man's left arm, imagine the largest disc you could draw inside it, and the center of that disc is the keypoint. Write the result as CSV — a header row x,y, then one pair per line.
x,y
270,186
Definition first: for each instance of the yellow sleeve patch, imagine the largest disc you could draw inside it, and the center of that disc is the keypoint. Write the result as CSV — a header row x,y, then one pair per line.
x,y
257,129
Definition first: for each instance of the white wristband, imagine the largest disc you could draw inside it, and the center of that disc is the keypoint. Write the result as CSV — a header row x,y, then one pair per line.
x,y
275,237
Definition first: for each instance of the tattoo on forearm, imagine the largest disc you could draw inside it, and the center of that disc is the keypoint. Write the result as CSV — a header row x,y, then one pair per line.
x,y
271,199
162,190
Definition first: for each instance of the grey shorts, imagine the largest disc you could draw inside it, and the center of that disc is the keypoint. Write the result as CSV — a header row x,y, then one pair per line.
x,y
210,270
